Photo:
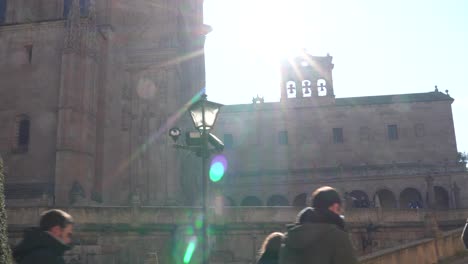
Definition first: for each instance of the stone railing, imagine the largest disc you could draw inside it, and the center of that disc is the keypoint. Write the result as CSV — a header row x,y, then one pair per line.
x,y
425,251
224,215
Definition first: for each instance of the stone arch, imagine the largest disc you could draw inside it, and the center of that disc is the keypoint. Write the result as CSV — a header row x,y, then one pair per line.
x,y
441,198
385,198
228,201
277,200
411,198
359,199
300,200
251,201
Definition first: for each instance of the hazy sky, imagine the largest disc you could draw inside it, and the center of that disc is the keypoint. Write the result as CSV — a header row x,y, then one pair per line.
x,y
378,47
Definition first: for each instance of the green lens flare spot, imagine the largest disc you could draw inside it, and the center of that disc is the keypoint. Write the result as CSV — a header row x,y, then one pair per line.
x,y
198,223
216,171
189,252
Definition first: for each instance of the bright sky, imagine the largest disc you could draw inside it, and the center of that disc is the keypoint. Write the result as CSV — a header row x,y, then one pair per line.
x,y
378,47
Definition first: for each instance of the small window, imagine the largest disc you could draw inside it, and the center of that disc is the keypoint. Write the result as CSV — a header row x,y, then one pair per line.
x,y
338,135
228,141
419,130
283,137
392,132
29,50
22,137
3,7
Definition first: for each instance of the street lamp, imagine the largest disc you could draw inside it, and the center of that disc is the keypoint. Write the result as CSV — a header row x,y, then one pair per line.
x,y
204,114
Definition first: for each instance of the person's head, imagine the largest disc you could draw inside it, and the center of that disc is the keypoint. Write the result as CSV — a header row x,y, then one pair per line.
x,y
58,223
271,246
327,198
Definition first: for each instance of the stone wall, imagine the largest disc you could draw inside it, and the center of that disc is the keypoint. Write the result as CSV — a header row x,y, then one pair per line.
x,y
426,251
140,234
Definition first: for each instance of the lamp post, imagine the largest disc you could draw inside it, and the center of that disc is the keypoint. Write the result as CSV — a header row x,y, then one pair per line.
x,y
204,114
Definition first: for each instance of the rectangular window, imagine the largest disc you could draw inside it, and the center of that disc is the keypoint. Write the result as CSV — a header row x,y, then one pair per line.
x,y
228,141
283,137
84,8
22,134
338,135
3,6
29,50
66,7
392,132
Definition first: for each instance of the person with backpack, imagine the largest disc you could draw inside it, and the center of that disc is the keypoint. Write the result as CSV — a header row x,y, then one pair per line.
x,y
269,252
319,235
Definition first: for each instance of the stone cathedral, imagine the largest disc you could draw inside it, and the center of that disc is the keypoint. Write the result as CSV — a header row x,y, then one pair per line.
x,y
90,88
87,88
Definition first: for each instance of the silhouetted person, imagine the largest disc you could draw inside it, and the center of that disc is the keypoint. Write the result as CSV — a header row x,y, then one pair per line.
x,y
48,242
319,234
269,252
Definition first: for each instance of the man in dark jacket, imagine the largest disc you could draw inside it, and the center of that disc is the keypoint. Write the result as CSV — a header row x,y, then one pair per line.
x,y
48,243
319,234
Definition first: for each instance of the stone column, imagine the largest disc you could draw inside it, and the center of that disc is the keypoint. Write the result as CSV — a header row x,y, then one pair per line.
x,y
455,195
430,192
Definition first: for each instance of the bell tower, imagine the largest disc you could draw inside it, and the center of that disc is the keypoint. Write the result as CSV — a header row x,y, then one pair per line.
x,y
307,77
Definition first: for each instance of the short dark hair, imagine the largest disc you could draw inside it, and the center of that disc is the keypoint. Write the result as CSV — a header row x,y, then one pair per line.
x,y
53,218
324,197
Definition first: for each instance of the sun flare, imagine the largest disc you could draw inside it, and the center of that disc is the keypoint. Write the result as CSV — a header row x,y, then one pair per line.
x,y
273,29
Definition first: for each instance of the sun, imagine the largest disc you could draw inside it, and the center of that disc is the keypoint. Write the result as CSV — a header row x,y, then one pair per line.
x,y
251,38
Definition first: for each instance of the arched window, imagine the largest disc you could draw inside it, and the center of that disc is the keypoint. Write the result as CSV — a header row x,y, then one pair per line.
x,y
300,200
441,198
359,199
3,7
321,87
385,199
277,200
22,133
410,198
228,201
306,88
291,89
251,201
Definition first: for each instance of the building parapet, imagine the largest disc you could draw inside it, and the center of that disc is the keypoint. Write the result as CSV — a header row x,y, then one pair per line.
x,y
28,216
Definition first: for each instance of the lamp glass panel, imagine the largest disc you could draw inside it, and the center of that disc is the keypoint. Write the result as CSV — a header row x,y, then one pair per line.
x,y
211,113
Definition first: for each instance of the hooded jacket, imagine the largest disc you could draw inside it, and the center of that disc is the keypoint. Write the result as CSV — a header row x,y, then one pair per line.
x,y
318,237
39,246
